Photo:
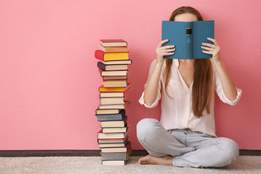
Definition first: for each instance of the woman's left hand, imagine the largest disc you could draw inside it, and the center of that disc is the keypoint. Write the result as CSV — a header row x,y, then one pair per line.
x,y
211,48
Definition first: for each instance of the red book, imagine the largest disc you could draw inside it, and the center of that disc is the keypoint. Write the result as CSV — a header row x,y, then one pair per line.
x,y
99,54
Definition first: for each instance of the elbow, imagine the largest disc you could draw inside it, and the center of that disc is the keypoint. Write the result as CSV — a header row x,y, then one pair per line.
x,y
149,103
232,101
145,103
147,100
233,97
236,98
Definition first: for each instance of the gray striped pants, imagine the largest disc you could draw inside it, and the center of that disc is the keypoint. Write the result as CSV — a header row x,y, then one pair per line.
x,y
189,148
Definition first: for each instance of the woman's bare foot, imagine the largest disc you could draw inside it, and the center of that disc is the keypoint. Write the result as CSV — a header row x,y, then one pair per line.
x,y
148,159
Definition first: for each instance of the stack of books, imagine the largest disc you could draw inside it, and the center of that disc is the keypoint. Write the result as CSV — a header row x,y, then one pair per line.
x,y
113,67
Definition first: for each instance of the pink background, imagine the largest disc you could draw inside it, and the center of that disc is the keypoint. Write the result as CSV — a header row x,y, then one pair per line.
x,y
49,79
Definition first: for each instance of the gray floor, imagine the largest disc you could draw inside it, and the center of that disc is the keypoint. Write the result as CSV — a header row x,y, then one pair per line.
x,y
91,165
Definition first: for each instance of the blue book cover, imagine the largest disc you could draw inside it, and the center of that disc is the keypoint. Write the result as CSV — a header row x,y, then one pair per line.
x,y
187,38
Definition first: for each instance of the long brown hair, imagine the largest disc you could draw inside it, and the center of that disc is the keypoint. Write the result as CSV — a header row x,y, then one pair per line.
x,y
202,83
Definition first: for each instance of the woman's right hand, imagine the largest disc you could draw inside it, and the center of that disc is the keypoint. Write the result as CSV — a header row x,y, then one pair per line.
x,y
153,81
162,51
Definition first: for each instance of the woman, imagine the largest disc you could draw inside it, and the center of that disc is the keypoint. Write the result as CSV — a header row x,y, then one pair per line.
x,y
185,135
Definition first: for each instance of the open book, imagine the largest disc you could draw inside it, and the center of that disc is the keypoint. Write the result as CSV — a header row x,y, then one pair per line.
x,y
187,38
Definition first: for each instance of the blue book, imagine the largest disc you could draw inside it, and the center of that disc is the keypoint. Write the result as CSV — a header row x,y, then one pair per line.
x,y
187,38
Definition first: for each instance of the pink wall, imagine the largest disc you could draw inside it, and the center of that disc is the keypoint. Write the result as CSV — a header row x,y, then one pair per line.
x,y
48,76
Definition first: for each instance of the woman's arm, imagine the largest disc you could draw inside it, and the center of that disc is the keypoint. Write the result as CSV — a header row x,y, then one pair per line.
x,y
152,83
228,86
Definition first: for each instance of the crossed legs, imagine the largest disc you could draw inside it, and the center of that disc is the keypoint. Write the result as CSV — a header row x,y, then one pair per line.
x,y
167,149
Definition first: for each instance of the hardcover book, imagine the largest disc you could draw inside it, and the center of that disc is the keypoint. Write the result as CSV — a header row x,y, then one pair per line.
x,y
187,38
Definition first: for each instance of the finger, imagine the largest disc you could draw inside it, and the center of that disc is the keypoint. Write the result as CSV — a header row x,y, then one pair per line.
x,y
162,42
172,52
206,48
208,44
167,49
166,54
207,52
213,40
169,46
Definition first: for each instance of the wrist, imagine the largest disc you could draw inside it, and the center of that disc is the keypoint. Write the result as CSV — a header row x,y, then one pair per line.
x,y
216,57
217,60
217,63
159,60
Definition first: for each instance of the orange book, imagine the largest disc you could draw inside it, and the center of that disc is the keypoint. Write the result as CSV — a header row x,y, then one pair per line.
x,y
112,89
101,55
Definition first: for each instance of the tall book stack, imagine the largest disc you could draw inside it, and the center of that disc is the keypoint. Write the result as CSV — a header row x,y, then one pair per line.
x,y
113,67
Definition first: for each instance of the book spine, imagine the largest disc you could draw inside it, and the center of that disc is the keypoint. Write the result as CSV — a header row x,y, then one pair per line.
x,y
101,66
113,68
99,54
